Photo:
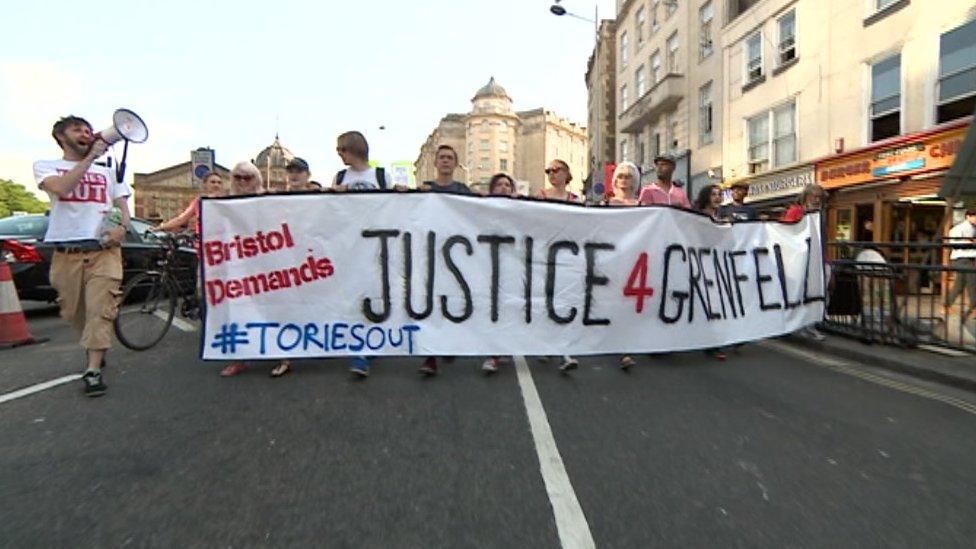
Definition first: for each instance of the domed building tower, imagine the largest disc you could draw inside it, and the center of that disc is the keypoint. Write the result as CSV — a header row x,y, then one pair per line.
x,y
490,133
272,161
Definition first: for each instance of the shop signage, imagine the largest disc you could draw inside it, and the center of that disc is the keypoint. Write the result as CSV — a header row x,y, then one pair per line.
x,y
926,153
777,185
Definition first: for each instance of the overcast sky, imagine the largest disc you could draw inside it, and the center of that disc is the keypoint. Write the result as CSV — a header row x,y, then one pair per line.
x,y
228,75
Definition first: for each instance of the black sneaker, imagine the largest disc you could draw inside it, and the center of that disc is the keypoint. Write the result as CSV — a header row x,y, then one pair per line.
x,y
94,386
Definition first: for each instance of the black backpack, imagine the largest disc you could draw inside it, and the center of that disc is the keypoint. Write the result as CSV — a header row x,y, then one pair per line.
x,y
380,177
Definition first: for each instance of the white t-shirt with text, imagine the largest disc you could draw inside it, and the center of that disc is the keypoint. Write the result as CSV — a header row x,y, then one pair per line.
x,y
963,233
78,215
364,180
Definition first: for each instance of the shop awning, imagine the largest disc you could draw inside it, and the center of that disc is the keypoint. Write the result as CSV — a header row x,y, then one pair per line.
x,y
960,181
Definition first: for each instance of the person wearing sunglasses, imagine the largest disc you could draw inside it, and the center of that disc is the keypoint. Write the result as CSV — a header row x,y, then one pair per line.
x,y
625,178
353,150
559,178
246,179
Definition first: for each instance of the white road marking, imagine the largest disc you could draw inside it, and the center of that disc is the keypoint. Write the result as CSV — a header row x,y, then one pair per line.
x,y
574,531
850,369
177,321
38,388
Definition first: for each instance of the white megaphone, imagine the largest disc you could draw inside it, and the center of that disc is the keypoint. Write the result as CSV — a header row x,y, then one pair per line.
x,y
125,125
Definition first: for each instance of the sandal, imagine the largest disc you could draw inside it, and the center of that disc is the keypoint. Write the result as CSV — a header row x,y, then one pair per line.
x,y
281,369
233,369
626,362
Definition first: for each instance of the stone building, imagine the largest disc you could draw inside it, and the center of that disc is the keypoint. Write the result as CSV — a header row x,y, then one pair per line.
x,y
165,193
493,138
601,85
668,86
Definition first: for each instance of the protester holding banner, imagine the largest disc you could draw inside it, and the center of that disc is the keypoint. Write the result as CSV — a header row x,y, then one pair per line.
x,y
559,178
709,201
445,162
298,175
500,184
664,191
358,176
738,210
625,177
86,268
811,199
245,179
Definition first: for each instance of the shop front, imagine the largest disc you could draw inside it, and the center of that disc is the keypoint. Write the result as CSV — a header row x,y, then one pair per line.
x,y
772,193
889,191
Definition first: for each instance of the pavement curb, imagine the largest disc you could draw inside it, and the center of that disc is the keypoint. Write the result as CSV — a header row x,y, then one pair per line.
x,y
868,355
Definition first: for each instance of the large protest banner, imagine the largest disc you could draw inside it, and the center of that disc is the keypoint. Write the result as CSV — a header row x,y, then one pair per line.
x,y
384,273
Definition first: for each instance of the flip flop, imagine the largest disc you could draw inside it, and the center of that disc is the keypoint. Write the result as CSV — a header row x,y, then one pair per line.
x,y
281,369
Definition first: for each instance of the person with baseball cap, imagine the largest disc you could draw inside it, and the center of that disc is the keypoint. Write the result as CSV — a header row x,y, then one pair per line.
x,y
664,191
738,210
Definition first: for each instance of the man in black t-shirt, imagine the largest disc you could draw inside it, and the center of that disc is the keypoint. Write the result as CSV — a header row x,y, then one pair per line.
x,y
738,210
445,162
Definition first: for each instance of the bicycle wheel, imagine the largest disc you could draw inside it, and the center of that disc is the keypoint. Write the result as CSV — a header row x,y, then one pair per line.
x,y
146,311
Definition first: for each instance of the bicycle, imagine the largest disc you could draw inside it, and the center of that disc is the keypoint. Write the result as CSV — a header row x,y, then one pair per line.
x,y
150,299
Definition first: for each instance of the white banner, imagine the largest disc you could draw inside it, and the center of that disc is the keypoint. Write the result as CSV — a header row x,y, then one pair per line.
x,y
384,273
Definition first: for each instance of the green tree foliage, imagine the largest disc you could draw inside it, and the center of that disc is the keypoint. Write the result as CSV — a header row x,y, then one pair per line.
x,y
15,198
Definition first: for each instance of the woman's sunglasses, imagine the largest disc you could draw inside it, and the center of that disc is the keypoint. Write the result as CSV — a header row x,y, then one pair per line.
x,y
243,177
552,170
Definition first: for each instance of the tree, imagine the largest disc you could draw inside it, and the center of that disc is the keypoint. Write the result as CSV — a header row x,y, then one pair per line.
x,y
15,198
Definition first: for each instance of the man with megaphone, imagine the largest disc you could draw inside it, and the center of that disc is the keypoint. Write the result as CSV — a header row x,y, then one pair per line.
x,y
88,221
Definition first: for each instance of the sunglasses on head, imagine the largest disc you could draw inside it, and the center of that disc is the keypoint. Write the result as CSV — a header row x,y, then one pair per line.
x,y
243,177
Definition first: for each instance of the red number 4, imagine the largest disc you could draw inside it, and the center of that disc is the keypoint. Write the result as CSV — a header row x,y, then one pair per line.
x,y
637,283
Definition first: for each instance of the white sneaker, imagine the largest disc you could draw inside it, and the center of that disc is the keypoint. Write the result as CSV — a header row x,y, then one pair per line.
x,y
814,334
490,365
569,363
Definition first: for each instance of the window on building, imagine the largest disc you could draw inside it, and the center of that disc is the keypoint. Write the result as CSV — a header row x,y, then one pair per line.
x,y
673,54
672,6
705,114
759,143
776,127
754,62
641,19
503,165
957,73
673,142
882,4
623,49
656,67
624,150
657,144
641,152
484,145
885,110
784,135
738,7
503,146
485,164
624,98
705,15
485,126
655,24
787,37
641,78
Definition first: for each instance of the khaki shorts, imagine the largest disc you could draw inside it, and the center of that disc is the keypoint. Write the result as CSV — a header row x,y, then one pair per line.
x,y
88,285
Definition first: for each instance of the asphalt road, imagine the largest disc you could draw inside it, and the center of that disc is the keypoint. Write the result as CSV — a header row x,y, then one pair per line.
x,y
764,449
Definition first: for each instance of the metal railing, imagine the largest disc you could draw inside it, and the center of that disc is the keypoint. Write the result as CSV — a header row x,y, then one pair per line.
x,y
896,293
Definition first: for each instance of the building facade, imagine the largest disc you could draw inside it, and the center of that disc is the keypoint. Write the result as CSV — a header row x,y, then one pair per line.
x,y
669,83
866,98
165,193
493,138
601,85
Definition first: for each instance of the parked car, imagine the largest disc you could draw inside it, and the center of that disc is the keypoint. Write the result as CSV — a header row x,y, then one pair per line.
x,y
23,246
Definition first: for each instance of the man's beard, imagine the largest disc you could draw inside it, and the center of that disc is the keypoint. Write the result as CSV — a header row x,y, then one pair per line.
x,y
79,149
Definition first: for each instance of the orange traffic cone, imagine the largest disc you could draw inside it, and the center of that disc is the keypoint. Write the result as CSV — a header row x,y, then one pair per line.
x,y
13,324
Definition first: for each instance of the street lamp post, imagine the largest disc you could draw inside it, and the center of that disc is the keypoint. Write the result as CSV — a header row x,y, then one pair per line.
x,y
558,10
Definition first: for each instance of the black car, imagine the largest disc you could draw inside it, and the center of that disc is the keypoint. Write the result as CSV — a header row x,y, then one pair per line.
x,y
22,239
